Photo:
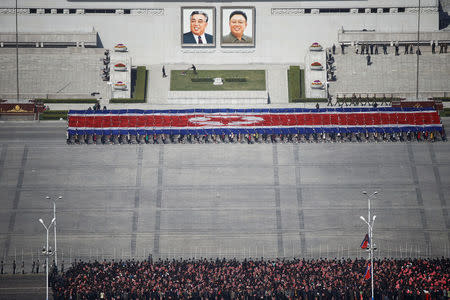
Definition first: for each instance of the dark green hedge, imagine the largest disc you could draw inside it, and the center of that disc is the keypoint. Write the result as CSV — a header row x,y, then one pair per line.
x,y
126,100
67,100
364,99
294,83
443,99
206,79
209,79
236,79
302,84
307,100
140,86
445,112
141,83
53,115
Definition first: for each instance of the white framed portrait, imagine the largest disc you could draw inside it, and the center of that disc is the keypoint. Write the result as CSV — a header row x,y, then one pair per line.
x,y
237,25
198,27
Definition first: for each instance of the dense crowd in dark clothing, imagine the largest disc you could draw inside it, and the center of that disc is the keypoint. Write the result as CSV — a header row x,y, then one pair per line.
x,y
254,279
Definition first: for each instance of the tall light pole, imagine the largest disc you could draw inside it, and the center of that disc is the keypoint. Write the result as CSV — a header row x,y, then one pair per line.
x,y
417,52
369,223
54,224
17,55
47,252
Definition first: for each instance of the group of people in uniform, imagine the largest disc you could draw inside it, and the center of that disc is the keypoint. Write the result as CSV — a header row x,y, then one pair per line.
x,y
252,138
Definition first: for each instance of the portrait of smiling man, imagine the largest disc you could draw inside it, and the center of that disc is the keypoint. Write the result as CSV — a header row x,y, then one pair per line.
x,y
238,26
198,21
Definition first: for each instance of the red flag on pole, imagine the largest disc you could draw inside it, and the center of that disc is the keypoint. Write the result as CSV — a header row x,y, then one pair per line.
x,y
368,271
365,243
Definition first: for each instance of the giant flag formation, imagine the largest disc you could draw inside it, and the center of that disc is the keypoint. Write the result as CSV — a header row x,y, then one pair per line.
x,y
249,121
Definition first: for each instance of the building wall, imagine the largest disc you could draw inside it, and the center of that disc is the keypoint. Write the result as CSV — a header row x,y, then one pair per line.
x,y
283,33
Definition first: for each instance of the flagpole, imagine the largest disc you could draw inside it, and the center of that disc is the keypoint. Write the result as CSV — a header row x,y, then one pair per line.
x,y
369,223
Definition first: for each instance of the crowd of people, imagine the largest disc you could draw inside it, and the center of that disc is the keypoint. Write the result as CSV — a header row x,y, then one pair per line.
x,y
252,138
254,279
373,48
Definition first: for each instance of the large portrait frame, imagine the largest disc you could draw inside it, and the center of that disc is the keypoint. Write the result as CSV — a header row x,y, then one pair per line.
x,y
242,34
189,33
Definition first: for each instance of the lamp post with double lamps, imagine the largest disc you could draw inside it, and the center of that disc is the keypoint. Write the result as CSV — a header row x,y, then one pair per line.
x,y
369,223
54,224
47,252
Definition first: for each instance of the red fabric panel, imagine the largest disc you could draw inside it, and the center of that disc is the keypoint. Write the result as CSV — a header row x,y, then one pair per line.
x,y
300,119
308,119
385,118
123,121
326,119
435,119
410,119
334,119
351,119
376,119
342,119
401,118
316,119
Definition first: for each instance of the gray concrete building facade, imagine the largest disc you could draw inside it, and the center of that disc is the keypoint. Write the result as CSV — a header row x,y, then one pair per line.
x,y
283,30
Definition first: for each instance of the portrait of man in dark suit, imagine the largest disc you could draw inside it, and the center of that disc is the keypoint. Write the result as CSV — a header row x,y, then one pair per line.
x,y
199,33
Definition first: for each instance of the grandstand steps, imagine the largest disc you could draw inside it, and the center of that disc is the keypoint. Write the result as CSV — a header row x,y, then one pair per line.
x,y
391,75
52,73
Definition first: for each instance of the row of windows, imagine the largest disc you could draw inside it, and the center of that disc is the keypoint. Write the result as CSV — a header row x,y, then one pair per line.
x,y
360,10
128,11
86,11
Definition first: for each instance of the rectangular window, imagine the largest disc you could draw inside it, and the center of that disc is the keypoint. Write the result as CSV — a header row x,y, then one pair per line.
x,y
72,11
373,10
127,11
307,10
401,9
361,10
60,11
47,11
100,11
33,10
385,10
334,10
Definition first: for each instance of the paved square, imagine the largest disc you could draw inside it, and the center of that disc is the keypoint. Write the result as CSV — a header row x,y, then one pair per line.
x,y
219,200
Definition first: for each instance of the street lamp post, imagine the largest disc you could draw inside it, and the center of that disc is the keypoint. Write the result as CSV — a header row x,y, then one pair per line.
x,y
369,223
418,52
47,252
54,225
